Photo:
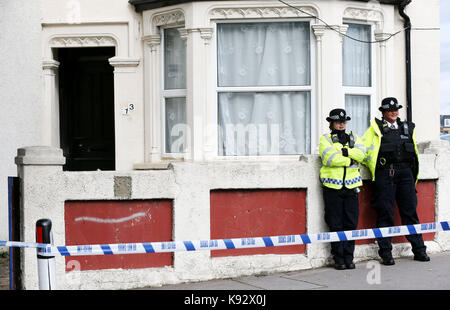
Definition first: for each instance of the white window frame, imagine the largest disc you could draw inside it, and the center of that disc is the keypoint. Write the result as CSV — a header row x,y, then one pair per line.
x,y
361,90
169,93
310,88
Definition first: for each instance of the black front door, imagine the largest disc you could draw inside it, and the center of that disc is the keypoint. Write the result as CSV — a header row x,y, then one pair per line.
x,y
86,96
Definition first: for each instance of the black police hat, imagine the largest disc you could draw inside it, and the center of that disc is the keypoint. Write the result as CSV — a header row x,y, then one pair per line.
x,y
389,104
338,115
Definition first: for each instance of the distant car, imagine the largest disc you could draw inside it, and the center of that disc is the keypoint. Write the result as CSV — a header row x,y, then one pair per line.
x,y
446,137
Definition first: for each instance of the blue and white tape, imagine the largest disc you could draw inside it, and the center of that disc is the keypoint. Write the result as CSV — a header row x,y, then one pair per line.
x,y
19,244
236,243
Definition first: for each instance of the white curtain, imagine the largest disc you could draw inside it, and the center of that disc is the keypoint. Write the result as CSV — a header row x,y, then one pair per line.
x,y
174,60
357,56
174,79
268,123
176,129
357,73
358,108
264,122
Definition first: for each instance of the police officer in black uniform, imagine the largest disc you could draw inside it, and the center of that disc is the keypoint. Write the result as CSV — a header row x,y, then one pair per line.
x,y
395,177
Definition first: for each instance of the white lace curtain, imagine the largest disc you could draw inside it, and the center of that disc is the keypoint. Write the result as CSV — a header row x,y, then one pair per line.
x,y
356,56
174,60
174,91
176,129
267,121
357,74
358,108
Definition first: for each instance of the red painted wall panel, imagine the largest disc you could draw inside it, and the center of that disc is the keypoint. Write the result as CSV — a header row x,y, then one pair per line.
x,y
257,213
234,214
99,222
425,210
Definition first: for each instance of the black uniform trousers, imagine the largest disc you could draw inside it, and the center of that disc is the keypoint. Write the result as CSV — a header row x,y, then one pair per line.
x,y
341,213
401,188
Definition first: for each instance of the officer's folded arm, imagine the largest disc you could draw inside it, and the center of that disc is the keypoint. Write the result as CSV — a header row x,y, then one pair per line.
x,y
332,155
356,154
338,161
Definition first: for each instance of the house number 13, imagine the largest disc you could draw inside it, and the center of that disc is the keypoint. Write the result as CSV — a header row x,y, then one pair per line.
x,y
127,110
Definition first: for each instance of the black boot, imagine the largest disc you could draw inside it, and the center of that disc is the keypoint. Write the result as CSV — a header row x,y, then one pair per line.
x,y
350,265
339,266
387,261
422,257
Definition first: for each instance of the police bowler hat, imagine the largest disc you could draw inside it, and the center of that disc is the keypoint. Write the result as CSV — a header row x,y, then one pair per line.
x,y
389,104
338,115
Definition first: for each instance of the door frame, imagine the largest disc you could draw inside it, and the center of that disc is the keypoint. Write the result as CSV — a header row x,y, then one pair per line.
x,y
79,35
50,66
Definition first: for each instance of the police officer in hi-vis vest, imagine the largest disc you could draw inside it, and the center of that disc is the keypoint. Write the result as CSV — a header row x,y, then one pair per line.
x,y
340,153
393,161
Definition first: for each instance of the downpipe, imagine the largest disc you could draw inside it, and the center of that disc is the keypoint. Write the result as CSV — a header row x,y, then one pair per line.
x,y
407,25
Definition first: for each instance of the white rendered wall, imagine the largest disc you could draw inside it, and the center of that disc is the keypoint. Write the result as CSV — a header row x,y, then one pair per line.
x,y
20,89
46,187
29,102
84,23
425,46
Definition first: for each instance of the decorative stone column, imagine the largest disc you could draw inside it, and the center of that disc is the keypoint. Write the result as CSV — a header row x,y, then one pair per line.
x,y
381,59
209,126
128,113
196,72
40,172
50,117
318,33
152,63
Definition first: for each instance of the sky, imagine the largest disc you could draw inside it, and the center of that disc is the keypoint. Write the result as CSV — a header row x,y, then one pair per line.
x,y
445,56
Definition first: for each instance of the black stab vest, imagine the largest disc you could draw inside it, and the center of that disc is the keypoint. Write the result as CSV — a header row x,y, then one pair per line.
x,y
397,145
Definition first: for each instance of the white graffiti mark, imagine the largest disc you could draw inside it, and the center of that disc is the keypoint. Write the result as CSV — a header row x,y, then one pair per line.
x,y
109,221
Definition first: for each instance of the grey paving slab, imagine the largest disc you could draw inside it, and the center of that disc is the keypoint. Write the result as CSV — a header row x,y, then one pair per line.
x,y
406,274
330,278
225,284
278,282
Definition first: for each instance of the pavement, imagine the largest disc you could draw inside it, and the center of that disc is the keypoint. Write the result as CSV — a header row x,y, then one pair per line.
x,y
406,274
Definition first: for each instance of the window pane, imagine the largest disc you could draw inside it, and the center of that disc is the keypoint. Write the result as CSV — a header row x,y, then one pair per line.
x,y
174,60
358,108
357,57
268,123
263,54
176,129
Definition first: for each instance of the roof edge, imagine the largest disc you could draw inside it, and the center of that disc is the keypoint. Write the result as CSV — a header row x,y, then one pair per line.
x,y
142,5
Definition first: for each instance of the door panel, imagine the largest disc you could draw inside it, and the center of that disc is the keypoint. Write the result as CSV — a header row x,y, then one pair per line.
x,y
87,108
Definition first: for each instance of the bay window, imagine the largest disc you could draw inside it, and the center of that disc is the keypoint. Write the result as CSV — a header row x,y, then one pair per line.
x,y
264,88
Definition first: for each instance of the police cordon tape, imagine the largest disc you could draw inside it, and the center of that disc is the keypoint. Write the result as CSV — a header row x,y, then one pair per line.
x,y
235,243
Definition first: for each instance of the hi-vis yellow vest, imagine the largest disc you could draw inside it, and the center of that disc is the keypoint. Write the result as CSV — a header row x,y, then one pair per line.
x,y
336,170
372,142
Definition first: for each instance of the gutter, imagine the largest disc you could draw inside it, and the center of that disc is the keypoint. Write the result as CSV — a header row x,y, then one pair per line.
x,y
401,10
